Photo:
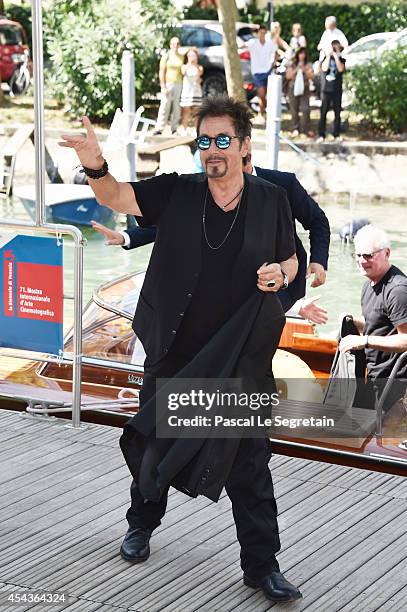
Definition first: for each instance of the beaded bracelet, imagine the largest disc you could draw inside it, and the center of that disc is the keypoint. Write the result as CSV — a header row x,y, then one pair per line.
x,y
96,174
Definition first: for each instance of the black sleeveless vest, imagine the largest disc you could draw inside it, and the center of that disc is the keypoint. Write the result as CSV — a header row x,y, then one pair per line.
x,y
175,262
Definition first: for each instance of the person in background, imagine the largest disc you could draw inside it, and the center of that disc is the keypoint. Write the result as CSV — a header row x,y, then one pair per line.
x,y
297,39
191,96
299,74
330,34
306,308
383,324
171,86
275,35
284,52
262,55
332,69
311,216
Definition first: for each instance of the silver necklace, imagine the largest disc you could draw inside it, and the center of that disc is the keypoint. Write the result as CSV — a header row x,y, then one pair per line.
x,y
230,201
215,248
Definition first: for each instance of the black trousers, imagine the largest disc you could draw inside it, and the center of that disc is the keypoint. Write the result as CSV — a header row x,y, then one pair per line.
x,y
249,487
329,100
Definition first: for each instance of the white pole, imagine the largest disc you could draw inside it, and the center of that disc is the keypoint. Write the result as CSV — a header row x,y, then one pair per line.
x,y
273,121
129,106
39,138
40,220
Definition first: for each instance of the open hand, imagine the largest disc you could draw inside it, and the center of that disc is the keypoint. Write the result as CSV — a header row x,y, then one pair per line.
x,y
112,236
311,311
85,145
319,274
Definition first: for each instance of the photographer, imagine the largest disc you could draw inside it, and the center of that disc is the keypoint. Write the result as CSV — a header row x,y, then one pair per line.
x,y
333,67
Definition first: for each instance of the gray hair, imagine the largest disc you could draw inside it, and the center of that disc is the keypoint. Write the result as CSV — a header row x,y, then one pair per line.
x,y
377,236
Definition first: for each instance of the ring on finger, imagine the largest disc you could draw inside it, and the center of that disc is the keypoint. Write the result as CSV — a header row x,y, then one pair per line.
x,y
271,283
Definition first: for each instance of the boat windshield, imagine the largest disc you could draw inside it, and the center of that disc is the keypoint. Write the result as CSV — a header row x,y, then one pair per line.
x,y
121,295
106,324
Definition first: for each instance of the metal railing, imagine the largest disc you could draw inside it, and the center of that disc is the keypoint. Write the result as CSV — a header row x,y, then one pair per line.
x,y
40,226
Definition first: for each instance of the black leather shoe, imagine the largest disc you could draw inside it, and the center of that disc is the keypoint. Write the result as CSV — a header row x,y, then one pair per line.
x,y
136,545
275,587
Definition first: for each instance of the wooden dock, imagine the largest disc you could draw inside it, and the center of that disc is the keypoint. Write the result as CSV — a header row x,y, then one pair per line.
x,y
63,497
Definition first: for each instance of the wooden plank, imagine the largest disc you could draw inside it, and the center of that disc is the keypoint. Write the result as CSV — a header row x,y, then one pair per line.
x,y
49,475
332,566
396,603
375,582
97,532
163,143
17,140
340,528
40,506
303,538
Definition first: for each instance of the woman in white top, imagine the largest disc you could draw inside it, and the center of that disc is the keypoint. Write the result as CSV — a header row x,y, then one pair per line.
x,y
191,96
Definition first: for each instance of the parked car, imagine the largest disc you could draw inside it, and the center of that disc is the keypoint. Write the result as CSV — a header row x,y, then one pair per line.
x,y
207,36
366,48
398,40
15,62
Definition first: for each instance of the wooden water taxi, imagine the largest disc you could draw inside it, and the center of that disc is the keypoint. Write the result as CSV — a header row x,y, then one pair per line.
x,y
112,374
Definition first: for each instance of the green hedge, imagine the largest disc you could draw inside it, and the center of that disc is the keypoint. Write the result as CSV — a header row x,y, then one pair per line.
x,y
379,91
355,20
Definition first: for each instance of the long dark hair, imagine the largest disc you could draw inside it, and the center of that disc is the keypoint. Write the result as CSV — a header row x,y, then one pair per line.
x,y
297,55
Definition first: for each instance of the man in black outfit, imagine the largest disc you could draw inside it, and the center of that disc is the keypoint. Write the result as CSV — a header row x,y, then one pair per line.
x,y
383,324
311,216
303,208
218,242
332,69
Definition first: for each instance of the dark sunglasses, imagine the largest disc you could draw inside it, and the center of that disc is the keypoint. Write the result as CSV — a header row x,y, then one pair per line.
x,y
222,141
366,256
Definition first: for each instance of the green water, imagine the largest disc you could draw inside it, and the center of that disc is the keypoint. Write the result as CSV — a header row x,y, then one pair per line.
x,y
340,293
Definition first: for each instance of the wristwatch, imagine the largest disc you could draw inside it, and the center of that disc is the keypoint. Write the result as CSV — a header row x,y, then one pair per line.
x,y
285,280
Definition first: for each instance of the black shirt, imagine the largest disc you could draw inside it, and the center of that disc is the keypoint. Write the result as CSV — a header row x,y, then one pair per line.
x,y
384,307
331,80
210,305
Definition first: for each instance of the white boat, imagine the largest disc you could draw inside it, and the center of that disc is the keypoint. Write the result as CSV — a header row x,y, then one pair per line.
x,y
69,203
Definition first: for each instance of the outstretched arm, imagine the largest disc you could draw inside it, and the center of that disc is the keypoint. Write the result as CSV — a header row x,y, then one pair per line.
x,y
397,343
113,194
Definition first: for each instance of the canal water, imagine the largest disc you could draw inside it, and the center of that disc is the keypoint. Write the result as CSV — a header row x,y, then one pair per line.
x,y
340,293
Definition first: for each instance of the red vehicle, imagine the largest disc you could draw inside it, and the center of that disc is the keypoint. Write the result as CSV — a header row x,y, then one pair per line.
x,y
15,63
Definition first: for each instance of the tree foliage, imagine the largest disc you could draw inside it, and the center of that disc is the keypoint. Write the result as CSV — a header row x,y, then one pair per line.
x,y
85,42
379,90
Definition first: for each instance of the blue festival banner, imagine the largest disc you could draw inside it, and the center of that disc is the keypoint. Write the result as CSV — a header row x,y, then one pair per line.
x,y
31,293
